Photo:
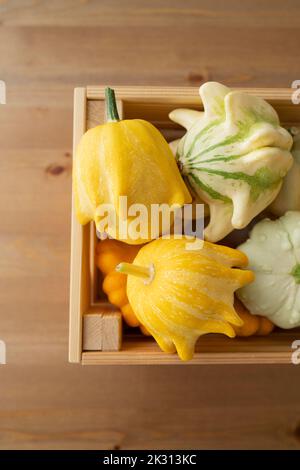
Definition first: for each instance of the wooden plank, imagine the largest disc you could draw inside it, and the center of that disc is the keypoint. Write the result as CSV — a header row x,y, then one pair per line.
x,y
48,171
204,59
96,111
155,103
211,349
168,14
126,358
79,291
102,329
246,407
112,331
95,114
93,272
92,332
177,95
252,425
237,406
44,134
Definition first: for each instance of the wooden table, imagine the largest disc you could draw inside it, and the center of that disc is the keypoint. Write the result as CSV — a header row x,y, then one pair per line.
x,y
46,49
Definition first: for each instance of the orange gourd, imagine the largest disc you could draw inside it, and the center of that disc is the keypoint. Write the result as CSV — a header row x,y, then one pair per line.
x,y
265,327
253,324
109,253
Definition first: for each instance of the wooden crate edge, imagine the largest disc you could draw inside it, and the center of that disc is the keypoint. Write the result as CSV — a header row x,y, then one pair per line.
x,y
188,94
75,307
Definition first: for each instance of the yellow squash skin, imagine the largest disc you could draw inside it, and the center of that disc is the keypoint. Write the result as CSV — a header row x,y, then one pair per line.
x,y
125,158
190,293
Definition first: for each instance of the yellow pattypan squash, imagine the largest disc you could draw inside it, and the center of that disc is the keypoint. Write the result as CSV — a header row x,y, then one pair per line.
x,y
124,158
109,253
180,293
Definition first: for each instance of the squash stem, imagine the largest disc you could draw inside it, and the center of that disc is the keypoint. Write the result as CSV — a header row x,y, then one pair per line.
x,y
136,270
112,114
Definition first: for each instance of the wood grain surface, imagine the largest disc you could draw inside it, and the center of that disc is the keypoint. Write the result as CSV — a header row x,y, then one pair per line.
x,y
46,49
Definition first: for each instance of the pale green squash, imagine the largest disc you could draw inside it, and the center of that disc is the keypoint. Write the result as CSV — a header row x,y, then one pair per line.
x,y
273,250
289,196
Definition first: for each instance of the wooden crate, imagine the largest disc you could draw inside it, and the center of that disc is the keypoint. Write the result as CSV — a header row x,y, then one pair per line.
x,y
95,335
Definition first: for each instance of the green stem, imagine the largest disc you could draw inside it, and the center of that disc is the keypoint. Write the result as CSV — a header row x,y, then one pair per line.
x,y
135,270
111,105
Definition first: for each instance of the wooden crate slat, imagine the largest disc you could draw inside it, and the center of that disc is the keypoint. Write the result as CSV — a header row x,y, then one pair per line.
x,y
210,349
92,332
102,329
112,331
181,94
94,272
79,247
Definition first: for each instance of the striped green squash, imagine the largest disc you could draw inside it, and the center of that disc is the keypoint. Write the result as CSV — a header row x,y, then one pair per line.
x,y
234,156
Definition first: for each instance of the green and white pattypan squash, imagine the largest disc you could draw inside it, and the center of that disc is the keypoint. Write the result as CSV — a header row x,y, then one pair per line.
x,y
186,118
273,250
234,156
289,196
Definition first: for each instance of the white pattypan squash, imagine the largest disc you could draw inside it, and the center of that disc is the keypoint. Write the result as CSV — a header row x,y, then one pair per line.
x,y
186,118
273,250
234,156
289,196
